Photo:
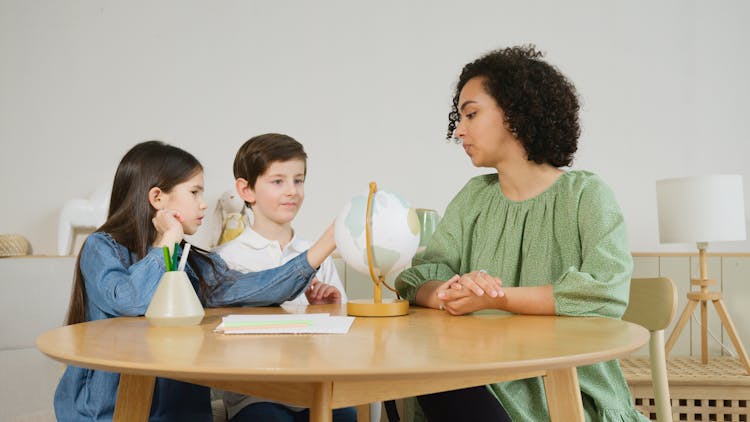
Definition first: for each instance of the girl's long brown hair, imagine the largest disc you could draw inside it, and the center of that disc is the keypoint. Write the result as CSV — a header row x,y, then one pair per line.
x,y
147,165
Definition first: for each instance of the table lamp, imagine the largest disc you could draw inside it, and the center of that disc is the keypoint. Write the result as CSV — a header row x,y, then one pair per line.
x,y
702,209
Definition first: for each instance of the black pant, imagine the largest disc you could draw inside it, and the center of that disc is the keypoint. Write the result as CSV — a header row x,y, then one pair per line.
x,y
475,404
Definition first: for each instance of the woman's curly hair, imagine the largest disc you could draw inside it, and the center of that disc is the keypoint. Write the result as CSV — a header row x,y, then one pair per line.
x,y
540,104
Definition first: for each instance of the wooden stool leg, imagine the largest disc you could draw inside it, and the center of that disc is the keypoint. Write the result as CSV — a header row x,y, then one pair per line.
x,y
729,326
680,325
659,377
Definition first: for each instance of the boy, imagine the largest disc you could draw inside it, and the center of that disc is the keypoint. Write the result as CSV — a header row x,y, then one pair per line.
x,y
269,173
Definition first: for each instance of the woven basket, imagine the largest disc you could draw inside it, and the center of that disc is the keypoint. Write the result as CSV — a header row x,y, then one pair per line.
x,y
14,245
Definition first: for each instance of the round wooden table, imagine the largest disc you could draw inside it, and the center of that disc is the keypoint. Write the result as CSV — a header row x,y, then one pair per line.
x,y
380,358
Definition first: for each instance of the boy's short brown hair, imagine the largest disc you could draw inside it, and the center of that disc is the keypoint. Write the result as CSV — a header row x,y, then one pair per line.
x,y
259,152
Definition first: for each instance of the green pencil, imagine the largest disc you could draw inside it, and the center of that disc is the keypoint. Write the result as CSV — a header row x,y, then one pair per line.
x,y
167,260
174,257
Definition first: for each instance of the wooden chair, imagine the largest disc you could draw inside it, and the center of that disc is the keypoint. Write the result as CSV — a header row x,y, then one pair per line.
x,y
653,303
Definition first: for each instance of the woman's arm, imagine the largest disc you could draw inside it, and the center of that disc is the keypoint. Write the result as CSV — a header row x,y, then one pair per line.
x,y
444,255
466,295
427,294
598,285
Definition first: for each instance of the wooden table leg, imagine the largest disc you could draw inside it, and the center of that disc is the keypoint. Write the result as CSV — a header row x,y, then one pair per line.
x,y
563,395
134,396
363,413
321,410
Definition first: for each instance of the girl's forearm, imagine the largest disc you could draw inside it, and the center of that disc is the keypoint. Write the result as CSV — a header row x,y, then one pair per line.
x,y
319,251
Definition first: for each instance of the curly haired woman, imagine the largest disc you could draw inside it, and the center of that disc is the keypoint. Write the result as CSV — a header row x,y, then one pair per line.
x,y
530,238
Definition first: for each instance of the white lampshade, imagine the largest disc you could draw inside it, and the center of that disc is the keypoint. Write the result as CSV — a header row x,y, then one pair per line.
x,y
701,209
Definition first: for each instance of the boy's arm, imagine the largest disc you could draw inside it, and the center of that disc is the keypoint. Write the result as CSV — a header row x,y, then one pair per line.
x,y
327,274
321,293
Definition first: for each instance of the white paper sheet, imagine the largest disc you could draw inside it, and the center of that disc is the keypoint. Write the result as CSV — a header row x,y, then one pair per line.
x,y
285,324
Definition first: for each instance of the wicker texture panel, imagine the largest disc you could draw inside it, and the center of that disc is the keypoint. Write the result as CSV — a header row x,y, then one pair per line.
x,y
718,391
14,245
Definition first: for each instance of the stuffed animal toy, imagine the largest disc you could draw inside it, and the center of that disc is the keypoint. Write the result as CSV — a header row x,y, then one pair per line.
x,y
230,218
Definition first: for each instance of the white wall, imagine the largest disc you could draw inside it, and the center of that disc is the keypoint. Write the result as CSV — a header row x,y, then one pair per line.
x,y
366,86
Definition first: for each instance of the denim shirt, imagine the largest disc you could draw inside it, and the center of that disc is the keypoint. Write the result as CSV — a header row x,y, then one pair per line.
x,y
117,284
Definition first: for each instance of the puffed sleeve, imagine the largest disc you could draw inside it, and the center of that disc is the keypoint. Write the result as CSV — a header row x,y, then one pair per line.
x,y
600,285
442,258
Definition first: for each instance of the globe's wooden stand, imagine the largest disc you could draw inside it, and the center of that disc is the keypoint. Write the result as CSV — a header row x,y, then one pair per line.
x,y
375,307
368,307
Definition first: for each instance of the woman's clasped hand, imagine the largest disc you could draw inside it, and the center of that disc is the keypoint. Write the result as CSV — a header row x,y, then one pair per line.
x,y
470,292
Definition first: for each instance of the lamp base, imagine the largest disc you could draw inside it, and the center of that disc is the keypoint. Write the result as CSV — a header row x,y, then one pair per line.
x,y
702,298
369,308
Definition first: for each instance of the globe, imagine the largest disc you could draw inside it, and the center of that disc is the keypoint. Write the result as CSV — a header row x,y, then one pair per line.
x,y
395,233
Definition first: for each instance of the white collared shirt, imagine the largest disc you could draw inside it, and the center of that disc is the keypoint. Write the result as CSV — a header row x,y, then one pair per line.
x,y
252,252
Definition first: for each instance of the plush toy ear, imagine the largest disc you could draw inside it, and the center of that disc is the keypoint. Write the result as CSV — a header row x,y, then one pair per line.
x,y
217,222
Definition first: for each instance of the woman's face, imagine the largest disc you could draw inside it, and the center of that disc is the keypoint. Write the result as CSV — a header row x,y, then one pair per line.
x,y
482,128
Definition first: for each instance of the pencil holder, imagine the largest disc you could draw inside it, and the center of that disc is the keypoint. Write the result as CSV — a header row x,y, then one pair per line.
x,y
175,303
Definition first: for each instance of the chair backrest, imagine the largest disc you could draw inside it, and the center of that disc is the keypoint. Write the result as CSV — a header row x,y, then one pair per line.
x,y
653,302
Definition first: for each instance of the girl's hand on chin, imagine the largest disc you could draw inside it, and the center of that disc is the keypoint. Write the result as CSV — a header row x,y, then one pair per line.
x,y
168,225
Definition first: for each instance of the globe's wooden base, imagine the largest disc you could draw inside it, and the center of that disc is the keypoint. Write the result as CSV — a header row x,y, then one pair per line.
x,y
368,307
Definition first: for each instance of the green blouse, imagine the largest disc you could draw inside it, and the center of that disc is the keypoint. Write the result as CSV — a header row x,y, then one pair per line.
x,y
573,236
